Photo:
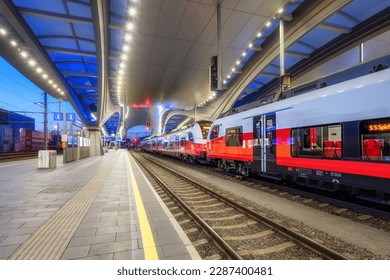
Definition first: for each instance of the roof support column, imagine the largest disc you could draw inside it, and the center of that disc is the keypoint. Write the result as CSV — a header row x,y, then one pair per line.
x,y
96,145
281,46
219,56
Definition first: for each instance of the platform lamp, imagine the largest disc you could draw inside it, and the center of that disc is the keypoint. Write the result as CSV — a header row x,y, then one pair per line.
x,y
44,118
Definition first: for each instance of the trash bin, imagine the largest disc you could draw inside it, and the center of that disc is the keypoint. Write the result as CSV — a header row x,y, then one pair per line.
x,y
47,159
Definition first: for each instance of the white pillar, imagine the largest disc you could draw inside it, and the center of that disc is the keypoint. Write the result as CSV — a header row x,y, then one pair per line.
x,y
96,148
281,46
219,56
361,52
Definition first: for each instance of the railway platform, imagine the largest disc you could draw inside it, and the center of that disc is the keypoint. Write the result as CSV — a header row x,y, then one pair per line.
x,y
94,208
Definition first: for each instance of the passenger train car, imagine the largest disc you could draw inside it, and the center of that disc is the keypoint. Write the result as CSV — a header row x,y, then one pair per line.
x,y
335,138
188,144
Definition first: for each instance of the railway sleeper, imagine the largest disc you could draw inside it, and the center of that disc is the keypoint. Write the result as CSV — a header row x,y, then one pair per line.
x,y
270,250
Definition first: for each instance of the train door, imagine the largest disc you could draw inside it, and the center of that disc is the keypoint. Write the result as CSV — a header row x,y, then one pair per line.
x,y
264,147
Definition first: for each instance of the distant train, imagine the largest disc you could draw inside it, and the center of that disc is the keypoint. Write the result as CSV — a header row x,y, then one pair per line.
x,y
335,138
188,144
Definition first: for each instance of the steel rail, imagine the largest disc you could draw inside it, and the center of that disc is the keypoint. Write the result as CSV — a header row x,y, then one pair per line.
x,y
221,244
301,239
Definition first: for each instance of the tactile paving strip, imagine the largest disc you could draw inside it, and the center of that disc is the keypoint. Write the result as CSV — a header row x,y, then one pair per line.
x,y
50,240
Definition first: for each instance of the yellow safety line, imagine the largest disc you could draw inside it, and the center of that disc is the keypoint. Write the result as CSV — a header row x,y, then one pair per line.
x,y
147,236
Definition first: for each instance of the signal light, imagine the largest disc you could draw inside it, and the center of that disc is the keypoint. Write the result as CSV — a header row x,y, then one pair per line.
x,y
148,124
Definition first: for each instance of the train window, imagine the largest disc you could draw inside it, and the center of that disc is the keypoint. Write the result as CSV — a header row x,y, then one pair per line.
x,y
234,136
190,137
205,127
182,141
214,132
375,139
258,131
318,142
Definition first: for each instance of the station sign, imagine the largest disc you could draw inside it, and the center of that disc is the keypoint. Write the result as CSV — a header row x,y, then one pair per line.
x,y
70,117
58,116
78,123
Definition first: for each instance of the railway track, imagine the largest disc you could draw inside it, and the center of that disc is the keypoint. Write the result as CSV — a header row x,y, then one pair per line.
x,y
375,215
8,156
237,231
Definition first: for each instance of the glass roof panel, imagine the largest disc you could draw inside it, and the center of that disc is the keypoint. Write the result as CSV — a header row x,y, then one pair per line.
x,y
363,9
64,57
318,37
116,37
85,91
55,6
339,19
118,11
84,30
44,26
91,68
87,46
67,43
263,79
80,81
289,61
254,84
80,10
71,66
302,48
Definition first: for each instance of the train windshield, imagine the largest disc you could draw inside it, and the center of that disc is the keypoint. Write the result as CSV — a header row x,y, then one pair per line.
x,y
205,127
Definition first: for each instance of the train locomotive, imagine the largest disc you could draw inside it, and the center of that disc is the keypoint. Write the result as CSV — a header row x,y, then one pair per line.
x,y
188,143
335,138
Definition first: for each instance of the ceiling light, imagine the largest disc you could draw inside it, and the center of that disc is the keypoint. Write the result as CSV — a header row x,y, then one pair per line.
x,y
243,54
126,48
129,26
23,54
259,35
132,11
238,62
50,81
127,37
233,69
32,62
39,70
124,56
250,45
228,76
3,31
13,43
224,81
268,23
44,76
280,10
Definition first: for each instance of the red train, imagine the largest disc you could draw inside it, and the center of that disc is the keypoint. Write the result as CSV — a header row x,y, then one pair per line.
x,y
188,144
335,138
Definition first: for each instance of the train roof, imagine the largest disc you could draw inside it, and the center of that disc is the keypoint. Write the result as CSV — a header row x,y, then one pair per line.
x,y
323,93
